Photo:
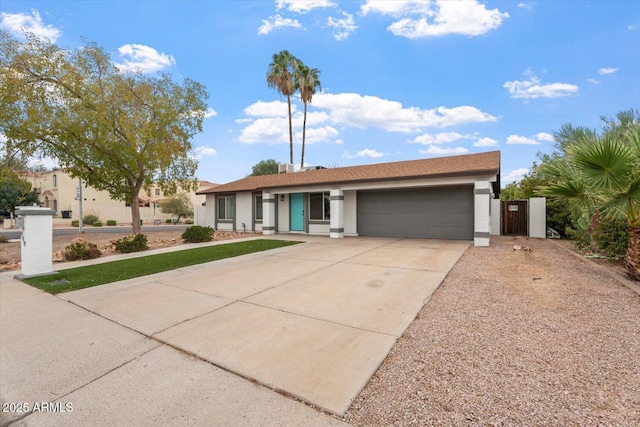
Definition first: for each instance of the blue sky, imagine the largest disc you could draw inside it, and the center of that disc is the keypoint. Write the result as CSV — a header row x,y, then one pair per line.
x,y
401,80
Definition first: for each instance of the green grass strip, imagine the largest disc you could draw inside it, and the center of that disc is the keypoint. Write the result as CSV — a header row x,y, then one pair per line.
x,y
99,274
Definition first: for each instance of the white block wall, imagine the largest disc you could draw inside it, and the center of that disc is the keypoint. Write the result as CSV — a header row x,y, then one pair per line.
x,y
37,240
538,217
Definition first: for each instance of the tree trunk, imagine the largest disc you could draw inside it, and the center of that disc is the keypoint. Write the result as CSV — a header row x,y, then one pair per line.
x,y
135,214
304,134
290,131
633,253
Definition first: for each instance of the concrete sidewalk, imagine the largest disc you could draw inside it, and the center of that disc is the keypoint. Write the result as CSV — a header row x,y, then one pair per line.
x,y
313,321
103,373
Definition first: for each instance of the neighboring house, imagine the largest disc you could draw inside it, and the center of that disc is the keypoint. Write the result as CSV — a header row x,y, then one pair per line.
x,y
440,198
58,191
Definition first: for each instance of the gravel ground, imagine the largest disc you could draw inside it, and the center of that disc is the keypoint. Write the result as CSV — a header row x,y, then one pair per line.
x,y
514,337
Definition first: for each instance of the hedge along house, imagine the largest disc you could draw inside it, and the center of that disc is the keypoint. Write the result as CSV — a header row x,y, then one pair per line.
x,y
439,198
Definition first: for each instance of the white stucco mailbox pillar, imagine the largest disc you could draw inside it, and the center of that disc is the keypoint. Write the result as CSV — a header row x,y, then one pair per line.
x,y
37,240
268,213
336,221
481,218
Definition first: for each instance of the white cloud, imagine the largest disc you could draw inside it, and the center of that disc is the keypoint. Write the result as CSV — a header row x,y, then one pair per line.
x,y
276,22
633,27
315,135
439,151
302,6
515,175
210,113
526,6
15,23
367,152
521,140
437,18
543,136
607,70
593,81
533,88
343,27
485,142
268,109
271,130
439,138
204,151
364,111
141,58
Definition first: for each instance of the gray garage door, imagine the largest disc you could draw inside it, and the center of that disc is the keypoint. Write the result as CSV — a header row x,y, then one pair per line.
x,y
434,213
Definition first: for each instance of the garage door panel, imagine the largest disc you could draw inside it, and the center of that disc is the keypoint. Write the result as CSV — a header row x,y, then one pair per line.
x,y
435,213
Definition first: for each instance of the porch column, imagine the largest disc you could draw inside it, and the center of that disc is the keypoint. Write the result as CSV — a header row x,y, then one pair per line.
x,y
268,213
481,218
336,225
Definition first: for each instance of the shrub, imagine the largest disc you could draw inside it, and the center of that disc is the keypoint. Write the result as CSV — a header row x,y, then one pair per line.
x,y
97,224
3,239
89,219
611,236
197,233
111,222
188,221
133,243
81,250
75,223
169,221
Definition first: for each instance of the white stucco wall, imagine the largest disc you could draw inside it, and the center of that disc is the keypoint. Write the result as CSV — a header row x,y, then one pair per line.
x,y
538,217
283,213
244,211
350,213
495,218
319,228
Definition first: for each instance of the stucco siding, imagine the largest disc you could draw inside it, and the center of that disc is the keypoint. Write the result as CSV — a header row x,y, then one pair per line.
x,y
351,213
243,211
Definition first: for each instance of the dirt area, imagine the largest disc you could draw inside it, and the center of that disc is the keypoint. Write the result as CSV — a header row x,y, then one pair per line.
x,y
10,252
527,337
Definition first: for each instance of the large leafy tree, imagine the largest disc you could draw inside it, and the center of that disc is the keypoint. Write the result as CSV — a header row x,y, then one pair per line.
x,y
265,167
306,81
14,191
600,172
118,131
281,77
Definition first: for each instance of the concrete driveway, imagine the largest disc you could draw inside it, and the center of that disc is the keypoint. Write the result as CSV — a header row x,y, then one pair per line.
x,y
312,321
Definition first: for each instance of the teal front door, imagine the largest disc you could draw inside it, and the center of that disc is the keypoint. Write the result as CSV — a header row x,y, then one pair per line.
x,y
296,209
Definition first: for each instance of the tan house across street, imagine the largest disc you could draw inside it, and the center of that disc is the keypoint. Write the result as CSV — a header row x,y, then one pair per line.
x,y
438,198
57,190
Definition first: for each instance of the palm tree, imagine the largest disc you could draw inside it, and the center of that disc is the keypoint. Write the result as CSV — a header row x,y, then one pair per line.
x,y
602,174
306,81
280,76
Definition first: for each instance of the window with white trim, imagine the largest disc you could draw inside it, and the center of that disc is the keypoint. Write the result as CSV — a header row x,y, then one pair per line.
x,y
257,212
319,206
225,207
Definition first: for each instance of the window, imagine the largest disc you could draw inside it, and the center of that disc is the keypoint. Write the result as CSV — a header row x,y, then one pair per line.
x,y
319,207
157,191
55,205
55,180
258,207
225,207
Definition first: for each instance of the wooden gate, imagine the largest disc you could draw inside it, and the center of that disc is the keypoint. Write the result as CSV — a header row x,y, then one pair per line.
x,y
514,218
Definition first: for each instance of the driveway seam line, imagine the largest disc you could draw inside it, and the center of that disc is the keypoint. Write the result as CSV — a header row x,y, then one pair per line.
x,y
320,320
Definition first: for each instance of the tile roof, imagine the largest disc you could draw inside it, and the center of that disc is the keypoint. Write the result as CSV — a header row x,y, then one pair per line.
x,y
488,162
